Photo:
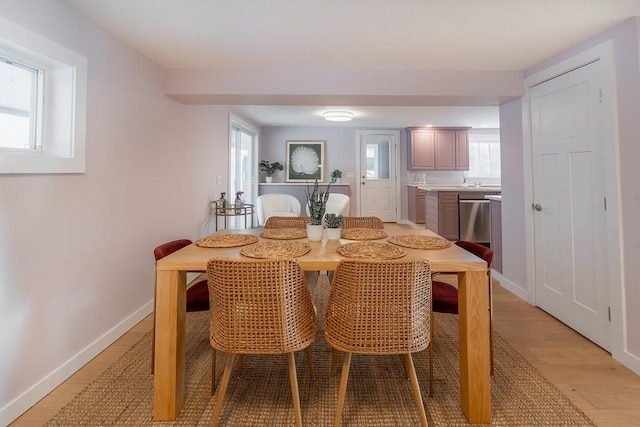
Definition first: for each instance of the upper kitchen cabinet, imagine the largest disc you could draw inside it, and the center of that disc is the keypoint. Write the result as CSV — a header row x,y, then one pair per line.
x,y
443,149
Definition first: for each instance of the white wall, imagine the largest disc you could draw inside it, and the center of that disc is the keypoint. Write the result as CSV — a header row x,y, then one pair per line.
x,y
76,262
340,146
514,274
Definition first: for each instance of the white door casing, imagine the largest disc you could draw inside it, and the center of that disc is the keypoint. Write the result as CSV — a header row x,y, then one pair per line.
x,y
573,244
378,185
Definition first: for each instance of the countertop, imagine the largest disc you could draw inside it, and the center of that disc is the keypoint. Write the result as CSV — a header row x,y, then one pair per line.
x,y
482,188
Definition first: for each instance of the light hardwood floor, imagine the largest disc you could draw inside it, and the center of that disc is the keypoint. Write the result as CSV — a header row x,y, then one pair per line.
x,y
604,389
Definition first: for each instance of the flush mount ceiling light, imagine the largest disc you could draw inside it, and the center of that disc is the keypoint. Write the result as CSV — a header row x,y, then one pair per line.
x,y
338,116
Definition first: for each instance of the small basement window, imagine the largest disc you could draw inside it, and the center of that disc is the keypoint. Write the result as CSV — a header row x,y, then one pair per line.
x,y
20,105
42,104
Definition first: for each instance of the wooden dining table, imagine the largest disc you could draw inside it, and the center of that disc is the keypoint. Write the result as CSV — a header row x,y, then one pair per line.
x,y
170,314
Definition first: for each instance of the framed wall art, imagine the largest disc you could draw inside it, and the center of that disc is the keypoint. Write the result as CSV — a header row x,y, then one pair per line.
x,y
305,161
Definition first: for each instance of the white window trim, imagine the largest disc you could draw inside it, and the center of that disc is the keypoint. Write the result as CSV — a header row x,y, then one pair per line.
x,y
63,135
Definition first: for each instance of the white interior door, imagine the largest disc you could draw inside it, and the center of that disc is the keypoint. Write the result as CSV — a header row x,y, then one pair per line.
x,y
377,172
571,267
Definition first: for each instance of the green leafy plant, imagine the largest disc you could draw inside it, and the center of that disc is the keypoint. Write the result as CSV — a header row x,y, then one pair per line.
x,y
317,202
333,220
270,168
336,174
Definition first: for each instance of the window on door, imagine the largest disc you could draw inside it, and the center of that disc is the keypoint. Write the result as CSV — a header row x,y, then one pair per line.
x,y
377,160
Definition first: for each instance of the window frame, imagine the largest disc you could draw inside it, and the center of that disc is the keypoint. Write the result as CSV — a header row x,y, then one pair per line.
x,y
61,126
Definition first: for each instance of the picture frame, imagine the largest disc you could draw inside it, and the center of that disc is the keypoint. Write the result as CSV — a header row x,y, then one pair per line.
x,y
305,161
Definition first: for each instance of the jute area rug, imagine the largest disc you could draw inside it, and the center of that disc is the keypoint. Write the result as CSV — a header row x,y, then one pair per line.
x,y
378,393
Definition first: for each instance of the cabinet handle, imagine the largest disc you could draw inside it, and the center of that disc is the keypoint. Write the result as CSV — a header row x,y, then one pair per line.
x,y
536,207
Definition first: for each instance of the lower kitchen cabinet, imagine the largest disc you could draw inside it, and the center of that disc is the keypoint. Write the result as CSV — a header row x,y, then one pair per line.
x,y
442,213
416,204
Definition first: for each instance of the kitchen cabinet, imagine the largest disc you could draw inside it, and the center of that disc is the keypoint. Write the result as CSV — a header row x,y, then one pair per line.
x,y
416,204
442,213
442,149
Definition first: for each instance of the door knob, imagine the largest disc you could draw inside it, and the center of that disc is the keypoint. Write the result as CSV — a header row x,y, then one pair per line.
x,y
536,207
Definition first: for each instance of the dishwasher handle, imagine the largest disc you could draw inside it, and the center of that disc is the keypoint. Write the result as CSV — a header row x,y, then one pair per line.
x,y
474,201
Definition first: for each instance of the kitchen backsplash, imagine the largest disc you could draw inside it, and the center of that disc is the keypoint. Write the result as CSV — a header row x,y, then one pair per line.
x,y
446,178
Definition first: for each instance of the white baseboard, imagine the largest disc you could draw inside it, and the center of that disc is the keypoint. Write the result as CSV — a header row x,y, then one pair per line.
x,y
30,397
512,287
411,224
629,360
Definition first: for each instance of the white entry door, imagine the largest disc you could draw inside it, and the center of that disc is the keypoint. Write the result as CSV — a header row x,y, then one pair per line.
x,y
377,172
569,204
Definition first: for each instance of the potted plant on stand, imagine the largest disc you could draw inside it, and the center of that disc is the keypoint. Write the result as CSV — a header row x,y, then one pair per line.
x,y
334,226
317,203
270,168
336,175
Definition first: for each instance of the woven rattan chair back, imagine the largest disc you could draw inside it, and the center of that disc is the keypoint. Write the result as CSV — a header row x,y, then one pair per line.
x,y
287,222
379,307
362,222
260,306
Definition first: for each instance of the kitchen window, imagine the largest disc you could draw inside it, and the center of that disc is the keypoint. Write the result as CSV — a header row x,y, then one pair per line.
x,y
43,90
484,156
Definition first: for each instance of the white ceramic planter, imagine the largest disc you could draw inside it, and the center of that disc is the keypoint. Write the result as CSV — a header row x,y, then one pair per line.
x,y
314,232
334,233
268,179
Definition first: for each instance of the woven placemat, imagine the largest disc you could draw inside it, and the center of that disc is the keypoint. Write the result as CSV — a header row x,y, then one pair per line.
x,y
226,240
276,249
420,242
362,234
284,233
371,250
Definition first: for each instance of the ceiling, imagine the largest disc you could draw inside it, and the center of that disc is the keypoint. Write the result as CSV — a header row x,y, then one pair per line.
x,y
356,34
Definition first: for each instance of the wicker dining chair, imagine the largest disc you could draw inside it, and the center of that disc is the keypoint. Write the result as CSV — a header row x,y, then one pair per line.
x,y
362,222
445,295
379,307
287,222
260,306
197,294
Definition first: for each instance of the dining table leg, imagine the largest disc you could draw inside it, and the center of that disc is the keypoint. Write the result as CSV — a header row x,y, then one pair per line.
x,y
170,315
473,318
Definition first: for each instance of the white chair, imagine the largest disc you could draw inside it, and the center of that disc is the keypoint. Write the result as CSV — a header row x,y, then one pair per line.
x,y
276,205
337,203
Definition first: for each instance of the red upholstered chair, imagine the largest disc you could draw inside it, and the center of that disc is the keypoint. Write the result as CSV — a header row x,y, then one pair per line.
x,y
445,296
197,294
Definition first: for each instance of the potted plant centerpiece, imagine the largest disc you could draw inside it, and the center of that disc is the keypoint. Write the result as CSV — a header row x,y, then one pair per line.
x,y
336,175
270,168
317,203
334,226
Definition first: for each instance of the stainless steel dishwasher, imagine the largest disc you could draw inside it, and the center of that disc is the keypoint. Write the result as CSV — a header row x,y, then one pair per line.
x,y
475,218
